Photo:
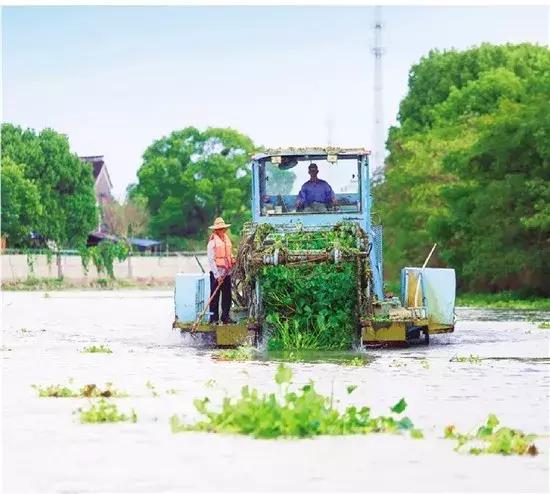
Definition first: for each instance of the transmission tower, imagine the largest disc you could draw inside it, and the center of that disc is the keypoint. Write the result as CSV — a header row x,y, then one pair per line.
x,y
378,131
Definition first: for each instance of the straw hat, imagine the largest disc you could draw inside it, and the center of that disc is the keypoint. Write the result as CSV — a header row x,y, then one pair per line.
x,y
219,223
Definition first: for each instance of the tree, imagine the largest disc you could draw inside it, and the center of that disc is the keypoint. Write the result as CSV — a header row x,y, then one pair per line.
x,y
280,181
468,168
64,183
126,220
499,230
20,204
190,177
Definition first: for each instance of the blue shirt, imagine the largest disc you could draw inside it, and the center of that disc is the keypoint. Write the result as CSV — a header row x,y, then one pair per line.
x,y
316,191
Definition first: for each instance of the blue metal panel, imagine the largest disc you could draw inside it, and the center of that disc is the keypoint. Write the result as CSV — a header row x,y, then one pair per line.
x,y
309,220
378,231
190,295
367,204
255,192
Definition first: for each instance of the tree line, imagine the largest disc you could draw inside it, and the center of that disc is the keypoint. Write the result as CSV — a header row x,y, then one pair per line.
x,y
468,167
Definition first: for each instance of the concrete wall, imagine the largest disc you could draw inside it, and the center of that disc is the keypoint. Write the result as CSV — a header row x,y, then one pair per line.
x,y
15,267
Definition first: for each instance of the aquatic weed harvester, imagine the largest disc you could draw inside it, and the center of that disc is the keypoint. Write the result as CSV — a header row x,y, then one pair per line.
x,y
309,272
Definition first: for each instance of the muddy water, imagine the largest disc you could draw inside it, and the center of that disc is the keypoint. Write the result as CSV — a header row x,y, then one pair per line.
x,y
46,449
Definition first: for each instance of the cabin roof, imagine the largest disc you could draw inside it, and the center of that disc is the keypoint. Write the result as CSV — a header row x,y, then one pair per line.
x,y
318,152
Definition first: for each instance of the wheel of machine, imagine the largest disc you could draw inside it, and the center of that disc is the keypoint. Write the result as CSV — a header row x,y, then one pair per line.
x,y
426,337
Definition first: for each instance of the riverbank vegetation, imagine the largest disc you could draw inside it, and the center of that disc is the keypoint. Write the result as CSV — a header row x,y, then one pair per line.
x,y
46,189
468,168
502,300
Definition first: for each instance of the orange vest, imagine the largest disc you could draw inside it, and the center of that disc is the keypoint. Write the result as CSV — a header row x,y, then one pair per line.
x,y
222,251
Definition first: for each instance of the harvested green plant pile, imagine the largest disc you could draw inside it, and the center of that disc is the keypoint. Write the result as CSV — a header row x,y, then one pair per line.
x,y
305,413
310,306
492,440
313,284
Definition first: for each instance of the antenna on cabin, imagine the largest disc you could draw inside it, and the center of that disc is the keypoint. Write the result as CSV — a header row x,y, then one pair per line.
x,y
378,130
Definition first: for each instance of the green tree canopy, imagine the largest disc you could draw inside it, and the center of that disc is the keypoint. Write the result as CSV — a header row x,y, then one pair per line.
x,y
67,210
21,206
190,177
469,168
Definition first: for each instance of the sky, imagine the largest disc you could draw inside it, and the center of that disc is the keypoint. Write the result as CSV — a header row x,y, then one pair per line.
x,y
115,79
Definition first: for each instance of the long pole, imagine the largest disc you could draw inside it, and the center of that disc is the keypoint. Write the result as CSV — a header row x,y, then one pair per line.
x,y
420,274
207,305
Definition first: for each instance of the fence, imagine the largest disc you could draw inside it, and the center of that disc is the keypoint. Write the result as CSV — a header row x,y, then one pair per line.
x,y
161,267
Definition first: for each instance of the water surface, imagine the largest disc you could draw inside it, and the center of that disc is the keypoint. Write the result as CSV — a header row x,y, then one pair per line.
x,y
46,449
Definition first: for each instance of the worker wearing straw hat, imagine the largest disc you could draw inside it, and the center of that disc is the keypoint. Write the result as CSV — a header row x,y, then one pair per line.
x,y
220,260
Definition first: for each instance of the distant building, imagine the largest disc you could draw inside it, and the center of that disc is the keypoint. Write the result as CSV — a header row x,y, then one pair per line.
x,y
103,184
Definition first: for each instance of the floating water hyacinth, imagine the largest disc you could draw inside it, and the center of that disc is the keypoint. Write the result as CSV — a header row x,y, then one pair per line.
x,y
303,413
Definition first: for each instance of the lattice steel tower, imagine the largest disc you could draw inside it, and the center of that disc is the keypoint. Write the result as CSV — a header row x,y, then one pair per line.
x,y
378,131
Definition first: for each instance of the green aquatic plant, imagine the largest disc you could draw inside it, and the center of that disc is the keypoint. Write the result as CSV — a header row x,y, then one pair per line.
x,y
96,349
54,391
502,300
492,440
544,325
356,362
472,359
151,387
87,391
104,411
300,414
310,306
241,353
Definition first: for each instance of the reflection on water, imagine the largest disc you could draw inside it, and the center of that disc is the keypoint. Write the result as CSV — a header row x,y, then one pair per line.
x,y
311,356
50,451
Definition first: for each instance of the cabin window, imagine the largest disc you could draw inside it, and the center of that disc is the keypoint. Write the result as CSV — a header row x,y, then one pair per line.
x,y
292,187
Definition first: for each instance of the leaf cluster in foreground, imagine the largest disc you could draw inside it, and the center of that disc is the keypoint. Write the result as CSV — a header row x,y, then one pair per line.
x,y
305,413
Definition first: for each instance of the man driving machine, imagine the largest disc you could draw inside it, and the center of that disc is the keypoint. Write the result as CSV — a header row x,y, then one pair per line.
x,y
316,195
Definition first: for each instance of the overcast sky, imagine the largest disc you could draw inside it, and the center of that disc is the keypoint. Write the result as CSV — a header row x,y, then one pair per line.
x,y
113,79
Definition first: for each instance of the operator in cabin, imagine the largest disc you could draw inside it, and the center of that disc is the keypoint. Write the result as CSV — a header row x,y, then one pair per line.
x,y
316,195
